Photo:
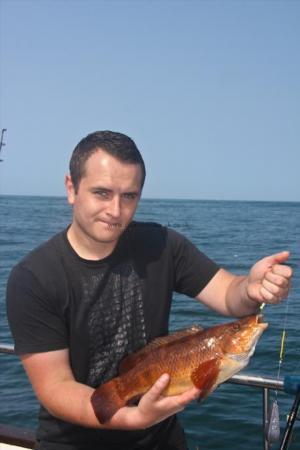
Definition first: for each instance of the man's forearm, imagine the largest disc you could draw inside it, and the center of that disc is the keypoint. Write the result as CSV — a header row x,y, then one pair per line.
x,y
65,398
228,295
71,401
268,281
237,299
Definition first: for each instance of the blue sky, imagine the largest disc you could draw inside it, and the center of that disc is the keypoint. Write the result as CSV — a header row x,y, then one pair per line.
x,y
209,91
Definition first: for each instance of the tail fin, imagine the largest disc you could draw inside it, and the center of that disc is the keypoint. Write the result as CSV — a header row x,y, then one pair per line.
x,y
106,400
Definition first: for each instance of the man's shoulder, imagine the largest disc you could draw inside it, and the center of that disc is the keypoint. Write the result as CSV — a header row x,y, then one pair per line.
x,y
153,230
151,238
145,231
146,227
47,253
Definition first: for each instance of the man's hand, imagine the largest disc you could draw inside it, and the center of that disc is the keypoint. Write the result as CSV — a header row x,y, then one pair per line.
x,y
153,407
269,280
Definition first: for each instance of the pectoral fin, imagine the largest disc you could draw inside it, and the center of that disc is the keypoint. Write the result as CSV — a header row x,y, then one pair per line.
x,y
205,376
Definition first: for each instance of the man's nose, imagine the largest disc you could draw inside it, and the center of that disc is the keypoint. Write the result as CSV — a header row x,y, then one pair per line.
x,y
114,208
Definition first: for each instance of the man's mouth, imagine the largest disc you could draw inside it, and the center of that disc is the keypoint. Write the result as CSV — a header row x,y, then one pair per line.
x,y
112,226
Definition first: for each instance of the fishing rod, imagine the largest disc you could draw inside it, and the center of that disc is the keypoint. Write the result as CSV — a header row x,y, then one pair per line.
x,y
291,385
1,141
272,430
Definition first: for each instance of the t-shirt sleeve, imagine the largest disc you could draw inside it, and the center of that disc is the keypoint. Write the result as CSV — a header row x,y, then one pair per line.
x,y
193,269
36,324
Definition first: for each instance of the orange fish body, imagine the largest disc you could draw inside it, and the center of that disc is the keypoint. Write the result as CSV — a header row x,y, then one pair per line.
x,y
192,357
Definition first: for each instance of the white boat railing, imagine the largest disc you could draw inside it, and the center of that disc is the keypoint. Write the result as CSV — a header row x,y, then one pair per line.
x,y
264,383
7,348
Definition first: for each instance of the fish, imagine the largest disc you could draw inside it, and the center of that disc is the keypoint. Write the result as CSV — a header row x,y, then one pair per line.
x,y
196,356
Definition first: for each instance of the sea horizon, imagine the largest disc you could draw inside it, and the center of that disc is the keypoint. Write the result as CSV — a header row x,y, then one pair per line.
x,y
165,199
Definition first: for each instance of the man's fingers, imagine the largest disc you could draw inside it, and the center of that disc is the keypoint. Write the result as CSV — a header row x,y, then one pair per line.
x,y
275,284
278,258
158,388
278,278
272,287
281,270
188,396
270,297
154,406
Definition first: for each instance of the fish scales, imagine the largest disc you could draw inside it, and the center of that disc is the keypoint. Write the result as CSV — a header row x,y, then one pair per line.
x,y
193,357
179,359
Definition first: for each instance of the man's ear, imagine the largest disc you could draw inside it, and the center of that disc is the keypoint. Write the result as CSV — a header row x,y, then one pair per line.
x,y
70,189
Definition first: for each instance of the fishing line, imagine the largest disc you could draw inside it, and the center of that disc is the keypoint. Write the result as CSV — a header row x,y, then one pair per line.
x,y
274,422
272,431
282,343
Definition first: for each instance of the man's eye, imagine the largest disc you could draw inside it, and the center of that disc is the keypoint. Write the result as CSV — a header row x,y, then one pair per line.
x,y
130,196
103,194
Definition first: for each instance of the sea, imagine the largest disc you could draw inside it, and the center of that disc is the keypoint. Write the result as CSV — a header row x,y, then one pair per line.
x,y
233,233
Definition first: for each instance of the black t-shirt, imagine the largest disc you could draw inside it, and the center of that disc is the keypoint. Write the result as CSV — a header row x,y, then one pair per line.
x,y
101,311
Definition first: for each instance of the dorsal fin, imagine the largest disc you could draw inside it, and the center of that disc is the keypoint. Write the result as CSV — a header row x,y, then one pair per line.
x,y
133,359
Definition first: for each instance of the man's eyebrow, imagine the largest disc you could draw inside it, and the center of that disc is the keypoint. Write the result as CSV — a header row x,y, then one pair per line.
x,y
101,188
106,189
132,192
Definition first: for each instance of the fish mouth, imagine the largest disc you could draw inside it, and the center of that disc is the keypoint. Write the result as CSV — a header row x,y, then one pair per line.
x,y
258,328
246,355
259,322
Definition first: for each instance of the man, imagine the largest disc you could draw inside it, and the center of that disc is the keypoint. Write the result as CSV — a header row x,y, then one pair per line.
x,y
102,289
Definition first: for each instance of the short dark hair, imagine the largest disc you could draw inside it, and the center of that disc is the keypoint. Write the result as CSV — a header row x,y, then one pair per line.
x,y
116,144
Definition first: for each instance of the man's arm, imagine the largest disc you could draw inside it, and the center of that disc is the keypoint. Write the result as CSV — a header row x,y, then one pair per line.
x,y
53,382
267,282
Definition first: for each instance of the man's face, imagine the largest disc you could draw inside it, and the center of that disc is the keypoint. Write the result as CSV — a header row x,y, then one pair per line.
x,y
106,199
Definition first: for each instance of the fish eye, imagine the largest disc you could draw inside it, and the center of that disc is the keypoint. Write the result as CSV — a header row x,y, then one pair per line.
x,y
236,327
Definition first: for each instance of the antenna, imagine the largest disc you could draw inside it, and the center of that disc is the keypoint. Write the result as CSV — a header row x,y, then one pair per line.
x,y
1,142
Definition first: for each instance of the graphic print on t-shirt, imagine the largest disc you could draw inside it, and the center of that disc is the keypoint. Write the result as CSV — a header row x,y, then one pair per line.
x,y
116,323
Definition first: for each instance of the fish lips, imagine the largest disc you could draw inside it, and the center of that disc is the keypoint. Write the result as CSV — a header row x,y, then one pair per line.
x,y
260,327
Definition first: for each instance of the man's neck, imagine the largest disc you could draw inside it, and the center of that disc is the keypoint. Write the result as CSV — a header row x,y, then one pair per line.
x,y
88,248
